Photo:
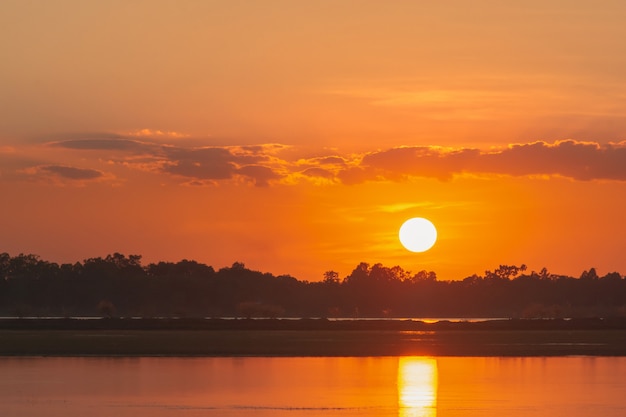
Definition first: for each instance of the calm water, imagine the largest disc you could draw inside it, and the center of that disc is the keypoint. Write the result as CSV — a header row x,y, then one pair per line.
x,y
388,386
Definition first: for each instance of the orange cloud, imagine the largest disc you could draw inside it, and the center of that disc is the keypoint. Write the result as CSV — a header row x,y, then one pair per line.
x,y
266,164
106,144
62,175
197,165
582,161
155,133
71,173
260,175
220,163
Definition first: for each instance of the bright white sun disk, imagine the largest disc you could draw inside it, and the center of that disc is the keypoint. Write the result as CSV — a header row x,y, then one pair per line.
x,y
418,234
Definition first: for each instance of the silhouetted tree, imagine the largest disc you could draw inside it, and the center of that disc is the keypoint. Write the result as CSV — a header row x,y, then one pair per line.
x,y
32,286
331,277
590,275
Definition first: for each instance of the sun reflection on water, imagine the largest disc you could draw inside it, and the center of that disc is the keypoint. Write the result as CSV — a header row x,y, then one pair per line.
x,y
417,387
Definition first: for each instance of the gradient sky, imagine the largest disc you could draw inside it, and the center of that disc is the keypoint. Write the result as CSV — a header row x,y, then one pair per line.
x,y
296,137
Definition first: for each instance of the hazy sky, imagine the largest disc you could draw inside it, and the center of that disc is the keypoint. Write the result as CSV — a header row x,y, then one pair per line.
x,y
296,137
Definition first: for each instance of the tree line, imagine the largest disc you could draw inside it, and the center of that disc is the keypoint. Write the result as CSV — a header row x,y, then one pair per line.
x,y
120,286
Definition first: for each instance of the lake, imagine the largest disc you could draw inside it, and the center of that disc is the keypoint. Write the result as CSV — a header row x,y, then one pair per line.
x,y
329,386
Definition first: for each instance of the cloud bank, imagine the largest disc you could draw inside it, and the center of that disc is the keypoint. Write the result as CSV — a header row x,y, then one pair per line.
x,y
269,164
583,161
255,164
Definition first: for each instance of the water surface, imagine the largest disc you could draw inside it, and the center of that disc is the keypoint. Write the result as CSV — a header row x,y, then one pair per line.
x,y
381,386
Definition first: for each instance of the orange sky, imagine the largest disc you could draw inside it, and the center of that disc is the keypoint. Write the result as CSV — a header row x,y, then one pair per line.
x,y
296,137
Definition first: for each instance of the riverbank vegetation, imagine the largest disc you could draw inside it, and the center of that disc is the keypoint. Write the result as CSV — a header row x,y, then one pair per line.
x,y
120,286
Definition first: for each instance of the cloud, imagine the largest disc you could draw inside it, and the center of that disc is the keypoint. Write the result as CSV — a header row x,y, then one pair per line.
x,y
326,160
318,172
196,165
264,149
577,160
71,173
155,133
221,163
208,163
105,144
420,161
267,164
583,161
260,175
325,168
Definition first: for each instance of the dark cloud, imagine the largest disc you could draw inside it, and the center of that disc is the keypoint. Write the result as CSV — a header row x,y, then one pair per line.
x,y
198,164
205,164
253,148
322,166
71,173
318,172
583,161
105,144
212,155
576,160
260,175
219,164
264,148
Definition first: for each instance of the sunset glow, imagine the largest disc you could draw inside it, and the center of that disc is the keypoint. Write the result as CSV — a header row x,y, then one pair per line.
x,y
417,387
295,137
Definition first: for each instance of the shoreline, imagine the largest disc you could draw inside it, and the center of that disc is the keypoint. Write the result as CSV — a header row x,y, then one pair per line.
x,y
346,324
310,337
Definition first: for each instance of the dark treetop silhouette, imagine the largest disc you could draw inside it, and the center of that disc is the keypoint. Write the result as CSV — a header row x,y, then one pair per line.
x,y
120,286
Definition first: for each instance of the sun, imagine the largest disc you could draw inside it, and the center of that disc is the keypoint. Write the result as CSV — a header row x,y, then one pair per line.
x,y
418,234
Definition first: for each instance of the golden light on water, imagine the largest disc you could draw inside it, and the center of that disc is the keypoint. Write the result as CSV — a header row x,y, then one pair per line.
x,y
417,387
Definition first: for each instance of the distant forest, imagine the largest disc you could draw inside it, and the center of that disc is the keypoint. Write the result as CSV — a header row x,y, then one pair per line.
x,y
120,286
